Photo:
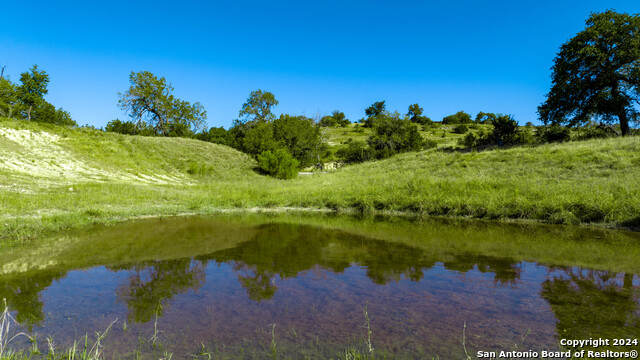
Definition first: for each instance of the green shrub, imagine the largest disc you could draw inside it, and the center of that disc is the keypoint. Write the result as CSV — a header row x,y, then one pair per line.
x,y
279,164
430,144
600,131
553,133
336,119
216,135
394,135
129,128
460,117
525,136
505,130
355,152
474,140
460,129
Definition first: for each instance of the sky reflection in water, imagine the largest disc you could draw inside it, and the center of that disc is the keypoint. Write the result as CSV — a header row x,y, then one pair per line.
x,y
313,283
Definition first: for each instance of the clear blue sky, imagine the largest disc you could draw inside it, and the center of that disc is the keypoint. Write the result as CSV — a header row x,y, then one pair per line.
x,y
315,56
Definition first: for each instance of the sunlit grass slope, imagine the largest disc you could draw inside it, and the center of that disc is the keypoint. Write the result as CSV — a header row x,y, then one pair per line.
x,y
55,178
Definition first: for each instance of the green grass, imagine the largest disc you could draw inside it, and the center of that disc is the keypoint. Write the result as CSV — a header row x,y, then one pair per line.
x,y
443,135
96,177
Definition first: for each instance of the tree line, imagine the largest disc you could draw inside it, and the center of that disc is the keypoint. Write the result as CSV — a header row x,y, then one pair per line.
x,y
25,100
595,82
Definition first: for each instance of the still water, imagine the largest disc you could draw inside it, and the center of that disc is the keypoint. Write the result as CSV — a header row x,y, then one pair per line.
x,y
312,286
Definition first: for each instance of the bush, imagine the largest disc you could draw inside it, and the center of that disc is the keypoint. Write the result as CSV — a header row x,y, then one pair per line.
x,y
474,140
279,164
129,128
505,130
430,144
394,135
300,136
179,129
460,129
460,117
553,133
216,135
600,131
525,136
256,137
337,118
122,127
47,113
355,152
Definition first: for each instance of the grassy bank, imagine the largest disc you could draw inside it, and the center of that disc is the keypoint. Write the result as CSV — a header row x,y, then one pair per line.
x,y
53,178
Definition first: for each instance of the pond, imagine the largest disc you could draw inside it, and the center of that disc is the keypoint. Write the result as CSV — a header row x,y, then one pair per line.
x,y
315,286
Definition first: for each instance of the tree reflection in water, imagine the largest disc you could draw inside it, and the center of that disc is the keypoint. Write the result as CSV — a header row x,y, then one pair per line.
x,y
154,283
23,296
593,304
586,303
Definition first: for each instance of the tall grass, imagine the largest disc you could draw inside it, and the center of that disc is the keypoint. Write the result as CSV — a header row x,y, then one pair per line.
x,y
588,182
82,349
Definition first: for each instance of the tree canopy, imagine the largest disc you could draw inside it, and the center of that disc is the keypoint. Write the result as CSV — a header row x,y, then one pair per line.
x,y
597,74
150,99
337,118
415,115
485,118
460,117
374,111
33,88
394,134
27,101
258,106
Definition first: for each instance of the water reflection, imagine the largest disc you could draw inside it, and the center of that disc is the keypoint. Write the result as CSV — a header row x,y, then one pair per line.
x,y
506,271
152,284
418,282
593,304
23,295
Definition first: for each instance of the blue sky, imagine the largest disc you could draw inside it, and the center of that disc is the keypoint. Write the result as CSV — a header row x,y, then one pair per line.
x,y
315,56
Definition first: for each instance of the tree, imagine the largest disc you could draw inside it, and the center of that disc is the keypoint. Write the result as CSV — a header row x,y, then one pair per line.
x,y
393,135
47,113
257,138
337,118
597,74
122,127
8,98
415,115
356,151
300,136
505,130
485,118
216,135
460,117
33,88
150,99
258,107
376,110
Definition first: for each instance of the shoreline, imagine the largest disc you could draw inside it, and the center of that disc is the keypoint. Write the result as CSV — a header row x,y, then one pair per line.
x,y
29,231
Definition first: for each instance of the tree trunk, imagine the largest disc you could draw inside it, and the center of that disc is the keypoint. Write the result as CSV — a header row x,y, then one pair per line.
x,y
29,113
624,123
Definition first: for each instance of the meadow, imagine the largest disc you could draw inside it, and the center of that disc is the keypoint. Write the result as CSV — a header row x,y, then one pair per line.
x,y
54,178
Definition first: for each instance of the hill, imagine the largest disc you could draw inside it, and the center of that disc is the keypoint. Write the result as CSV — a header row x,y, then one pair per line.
x,y
55,178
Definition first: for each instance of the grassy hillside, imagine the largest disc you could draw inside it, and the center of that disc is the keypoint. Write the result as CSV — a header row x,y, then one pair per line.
x,y
54,178
442,135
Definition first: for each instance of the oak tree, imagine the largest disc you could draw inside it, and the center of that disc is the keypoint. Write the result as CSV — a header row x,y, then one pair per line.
x,y
150,99
596,74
